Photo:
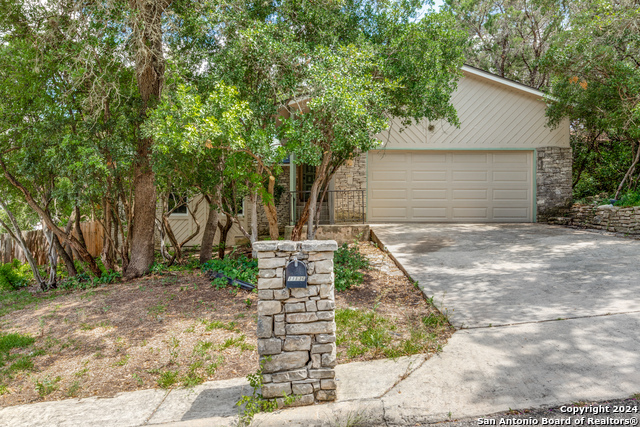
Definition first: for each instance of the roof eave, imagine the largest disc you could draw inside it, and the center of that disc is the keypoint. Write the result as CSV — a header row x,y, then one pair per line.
x,y
503,81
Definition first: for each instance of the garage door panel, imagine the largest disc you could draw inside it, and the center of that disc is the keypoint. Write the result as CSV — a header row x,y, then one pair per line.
x,y
391,194
390,176
399,213
467,175
510,176
471,194
429,214
429,160
469,186
509,195
511,158
470,158
481,214
427,176
390,158
431,195
511,214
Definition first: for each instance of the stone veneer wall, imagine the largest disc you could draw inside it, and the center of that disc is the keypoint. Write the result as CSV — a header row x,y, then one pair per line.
x,y
608,218
553,179
296,327
351,176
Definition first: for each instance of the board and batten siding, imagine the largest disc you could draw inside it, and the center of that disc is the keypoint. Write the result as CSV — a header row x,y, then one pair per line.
x,y
492,116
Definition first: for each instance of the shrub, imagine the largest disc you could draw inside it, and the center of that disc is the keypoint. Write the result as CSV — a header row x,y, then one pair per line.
x,y
80,281
83,281
240,268
14,276
631,198
348,262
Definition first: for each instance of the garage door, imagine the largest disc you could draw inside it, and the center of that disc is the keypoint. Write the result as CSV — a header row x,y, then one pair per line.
x,y
450,186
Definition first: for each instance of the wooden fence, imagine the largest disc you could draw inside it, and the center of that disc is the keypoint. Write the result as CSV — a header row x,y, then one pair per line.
x,y
37,244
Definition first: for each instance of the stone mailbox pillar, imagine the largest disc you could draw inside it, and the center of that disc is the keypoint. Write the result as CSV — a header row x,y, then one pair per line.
x,y
296,325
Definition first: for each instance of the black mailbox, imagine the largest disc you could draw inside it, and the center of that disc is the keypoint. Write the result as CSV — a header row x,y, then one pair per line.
x,y
295,274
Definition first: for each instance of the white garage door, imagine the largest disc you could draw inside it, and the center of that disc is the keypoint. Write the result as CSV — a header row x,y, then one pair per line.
x,y
450,186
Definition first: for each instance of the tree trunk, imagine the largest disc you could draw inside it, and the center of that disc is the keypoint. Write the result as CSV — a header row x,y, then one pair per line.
x,y
629,172
313,197
79,232
52,254
107,254
209,235
150,66
48,222
271,212
253,208
224,231
17,236
172,238
62,253
144,212
324,195
192,212
68,262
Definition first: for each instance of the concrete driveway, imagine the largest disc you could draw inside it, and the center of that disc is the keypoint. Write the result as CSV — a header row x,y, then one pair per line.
x,y
518,273
550,315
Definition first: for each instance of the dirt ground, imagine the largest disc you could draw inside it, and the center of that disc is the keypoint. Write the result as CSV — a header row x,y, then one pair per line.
x,y
173,330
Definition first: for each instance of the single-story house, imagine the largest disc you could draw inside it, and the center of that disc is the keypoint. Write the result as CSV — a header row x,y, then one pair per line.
x,y
503,164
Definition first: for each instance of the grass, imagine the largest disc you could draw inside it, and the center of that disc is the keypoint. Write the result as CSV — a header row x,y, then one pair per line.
x,y
167,379
46,386
213,367
435,320
82,372
158,309
11,301
74,389
368,333
201,348
216,324
123,361
136,377
192,378
17,362
11,341
25,363
238,342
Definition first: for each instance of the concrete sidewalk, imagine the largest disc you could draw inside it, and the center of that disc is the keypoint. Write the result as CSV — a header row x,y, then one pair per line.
x,y
209,404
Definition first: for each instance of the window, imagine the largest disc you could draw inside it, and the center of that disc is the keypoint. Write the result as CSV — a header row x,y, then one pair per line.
x,y
240,206
178,204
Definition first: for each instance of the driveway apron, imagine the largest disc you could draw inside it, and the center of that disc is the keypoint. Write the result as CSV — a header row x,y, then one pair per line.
x,y
547,315
504,274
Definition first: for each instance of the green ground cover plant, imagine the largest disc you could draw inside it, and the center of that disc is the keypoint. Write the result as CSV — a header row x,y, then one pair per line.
x,y
14,276
348,263
234,267
12,362
631,198
17,300
369,333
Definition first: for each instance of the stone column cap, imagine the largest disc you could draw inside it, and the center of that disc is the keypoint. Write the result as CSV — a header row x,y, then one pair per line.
x,y
292,246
